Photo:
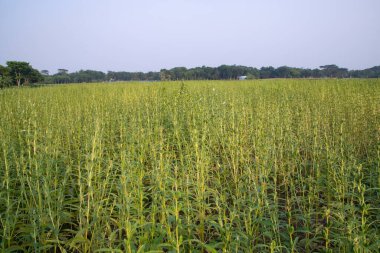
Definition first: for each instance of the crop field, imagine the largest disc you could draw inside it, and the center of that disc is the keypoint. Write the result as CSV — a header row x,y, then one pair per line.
x,y
195,166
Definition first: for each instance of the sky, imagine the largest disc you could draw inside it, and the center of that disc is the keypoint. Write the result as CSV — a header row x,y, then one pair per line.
x,y
149,35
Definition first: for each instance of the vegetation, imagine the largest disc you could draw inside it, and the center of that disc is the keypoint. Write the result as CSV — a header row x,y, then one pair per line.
x,y
18,73
21,73
223,72
211,166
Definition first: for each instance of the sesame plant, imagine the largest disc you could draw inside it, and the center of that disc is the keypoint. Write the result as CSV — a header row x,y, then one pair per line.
x,y
195,166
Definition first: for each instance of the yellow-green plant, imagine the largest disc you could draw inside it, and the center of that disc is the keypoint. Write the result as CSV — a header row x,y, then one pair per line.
x,y
195,166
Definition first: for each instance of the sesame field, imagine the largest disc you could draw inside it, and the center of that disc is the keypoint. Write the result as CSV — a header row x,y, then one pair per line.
x,y
196,166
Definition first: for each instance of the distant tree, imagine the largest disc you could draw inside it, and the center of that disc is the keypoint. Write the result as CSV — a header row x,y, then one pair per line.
x,y
62,76
225,72
34,77
22,73
304,73
87,76
178,73
18,70
3,70
329,70
45,72
333,70
284,72
5,79
267,72
152,76
373,72
165,75
62,71
295,73
317,73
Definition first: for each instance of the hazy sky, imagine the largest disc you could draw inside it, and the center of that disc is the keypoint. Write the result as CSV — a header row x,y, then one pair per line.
x,y
145,35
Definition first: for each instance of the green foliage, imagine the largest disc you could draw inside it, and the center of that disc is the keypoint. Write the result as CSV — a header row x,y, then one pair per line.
x,y
5,81
4,71
44,72
207,166
21,73
223,72
228,72
84,76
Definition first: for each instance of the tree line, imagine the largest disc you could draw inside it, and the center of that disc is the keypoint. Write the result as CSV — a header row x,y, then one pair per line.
x,y
22,73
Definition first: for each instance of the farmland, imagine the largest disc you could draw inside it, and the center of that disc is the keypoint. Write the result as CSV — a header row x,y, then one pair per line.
x,y
196,166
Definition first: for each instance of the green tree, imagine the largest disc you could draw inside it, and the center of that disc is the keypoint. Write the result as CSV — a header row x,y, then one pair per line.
x,y
23,73
267,72
62,71
45,72
61,77
165,75
3,70
5,79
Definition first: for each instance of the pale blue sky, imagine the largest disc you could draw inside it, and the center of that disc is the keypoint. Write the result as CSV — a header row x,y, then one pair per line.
x,y
145,35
